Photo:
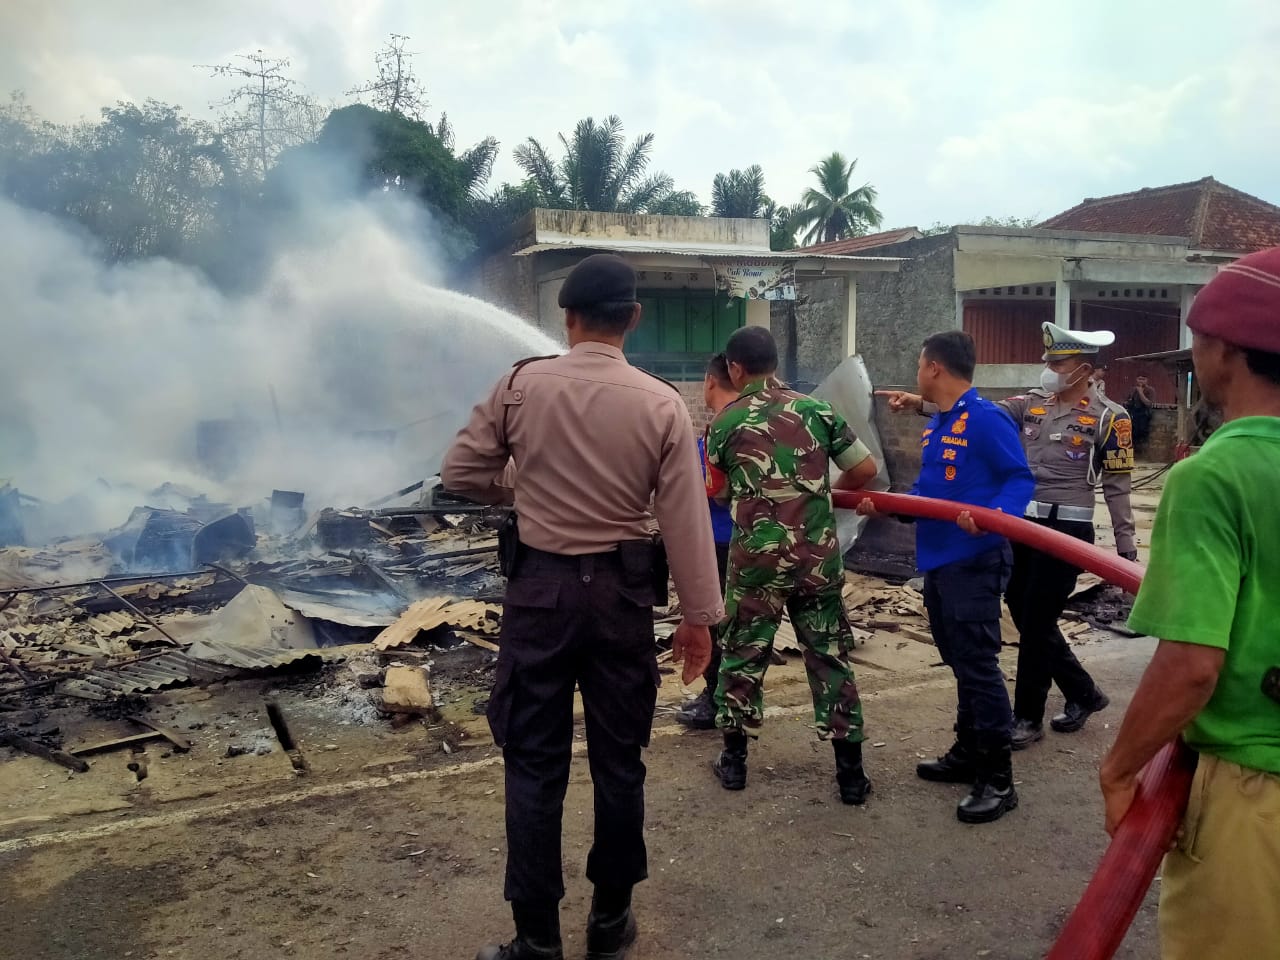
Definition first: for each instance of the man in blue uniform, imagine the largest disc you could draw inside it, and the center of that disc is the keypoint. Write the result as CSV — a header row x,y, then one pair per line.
x,y
718,392
970,453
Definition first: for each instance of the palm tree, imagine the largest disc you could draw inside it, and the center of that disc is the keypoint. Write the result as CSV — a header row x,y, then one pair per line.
x,y
834,211
740,193
597,172
678,203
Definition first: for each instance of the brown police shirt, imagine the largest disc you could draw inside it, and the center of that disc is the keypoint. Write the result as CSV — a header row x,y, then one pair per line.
x,y
595,442
1072,449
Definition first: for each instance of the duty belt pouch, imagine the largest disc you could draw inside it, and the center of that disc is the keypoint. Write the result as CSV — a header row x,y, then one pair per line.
x,y
639,560
661,572
509,545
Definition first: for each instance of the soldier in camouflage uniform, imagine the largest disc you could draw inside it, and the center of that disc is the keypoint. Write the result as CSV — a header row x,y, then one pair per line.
x,y
776,448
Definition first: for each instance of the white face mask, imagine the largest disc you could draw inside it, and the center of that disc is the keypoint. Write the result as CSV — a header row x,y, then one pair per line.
x,y
1055,382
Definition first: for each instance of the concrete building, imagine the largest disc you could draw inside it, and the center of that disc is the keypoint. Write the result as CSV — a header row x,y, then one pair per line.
x,y
687,315
1130,263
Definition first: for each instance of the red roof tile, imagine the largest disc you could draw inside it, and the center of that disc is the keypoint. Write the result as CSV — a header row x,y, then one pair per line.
x,y
1211,215
855,245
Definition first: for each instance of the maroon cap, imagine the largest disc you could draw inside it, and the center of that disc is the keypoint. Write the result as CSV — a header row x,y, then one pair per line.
x,y
1241,305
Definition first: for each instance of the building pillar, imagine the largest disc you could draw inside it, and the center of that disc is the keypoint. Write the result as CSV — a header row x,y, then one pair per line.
x,y
758,313
1062,304
959,310
1184,334
851,316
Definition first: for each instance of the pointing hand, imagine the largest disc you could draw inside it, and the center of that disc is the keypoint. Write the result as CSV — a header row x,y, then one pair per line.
x,y
900,401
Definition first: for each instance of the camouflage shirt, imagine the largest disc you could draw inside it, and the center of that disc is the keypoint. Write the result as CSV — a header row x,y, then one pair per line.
x,y
776,448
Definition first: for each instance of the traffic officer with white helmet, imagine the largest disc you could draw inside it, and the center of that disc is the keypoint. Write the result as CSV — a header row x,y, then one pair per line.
x,y
1075,439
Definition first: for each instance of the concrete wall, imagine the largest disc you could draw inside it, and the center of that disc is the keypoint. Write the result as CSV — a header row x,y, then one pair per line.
x,y
896,311
1164,436
737,236
822,311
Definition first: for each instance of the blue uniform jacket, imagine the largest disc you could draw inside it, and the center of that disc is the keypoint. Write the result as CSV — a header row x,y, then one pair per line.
x,y
969,454
721,518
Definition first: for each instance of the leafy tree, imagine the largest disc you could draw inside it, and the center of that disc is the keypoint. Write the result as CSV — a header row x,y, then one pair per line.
x,y
397,89
740,194
598,170
836,210
145,180
477,160
268,114
1021,223
490,215
782,232
678,203
390,151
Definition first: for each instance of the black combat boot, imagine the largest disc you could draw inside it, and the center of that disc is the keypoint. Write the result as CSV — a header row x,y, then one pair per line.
x,y
699,713
731,765
537,935
993,794
954,766
850,777
611,926
1074,714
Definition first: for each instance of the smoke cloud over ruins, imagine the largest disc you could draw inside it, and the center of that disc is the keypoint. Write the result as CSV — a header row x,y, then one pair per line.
x,y
342,374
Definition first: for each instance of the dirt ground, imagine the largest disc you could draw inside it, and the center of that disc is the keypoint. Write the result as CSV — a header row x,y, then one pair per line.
x,y
391,845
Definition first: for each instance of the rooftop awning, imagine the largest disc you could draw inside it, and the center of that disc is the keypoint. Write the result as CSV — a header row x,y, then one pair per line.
x,y
717,254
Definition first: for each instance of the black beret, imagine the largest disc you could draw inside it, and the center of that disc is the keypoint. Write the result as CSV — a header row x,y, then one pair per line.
x,y
600,278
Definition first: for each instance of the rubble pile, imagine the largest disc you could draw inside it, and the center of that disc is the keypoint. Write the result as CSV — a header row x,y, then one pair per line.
x,y
190,592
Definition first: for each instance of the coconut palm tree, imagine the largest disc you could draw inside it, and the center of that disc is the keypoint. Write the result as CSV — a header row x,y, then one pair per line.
x,y
598,171
739,193
834,210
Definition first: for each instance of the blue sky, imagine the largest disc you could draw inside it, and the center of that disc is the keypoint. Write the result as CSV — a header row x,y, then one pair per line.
x,y
955,110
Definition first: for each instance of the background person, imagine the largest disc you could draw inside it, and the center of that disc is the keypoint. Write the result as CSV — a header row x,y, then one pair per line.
x,y
717,393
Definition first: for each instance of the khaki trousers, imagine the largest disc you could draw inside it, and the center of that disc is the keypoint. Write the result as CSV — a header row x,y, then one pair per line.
x,y
1220,893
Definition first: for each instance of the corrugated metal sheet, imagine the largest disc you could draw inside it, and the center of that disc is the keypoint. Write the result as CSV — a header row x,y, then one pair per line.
x,y
143,676
1007,332
174,669
257,658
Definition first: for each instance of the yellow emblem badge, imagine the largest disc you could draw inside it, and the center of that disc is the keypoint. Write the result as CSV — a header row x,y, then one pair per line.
x,y
1037,411
950,473
959,427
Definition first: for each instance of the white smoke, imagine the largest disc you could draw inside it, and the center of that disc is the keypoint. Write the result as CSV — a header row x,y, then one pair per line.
x,y
108,369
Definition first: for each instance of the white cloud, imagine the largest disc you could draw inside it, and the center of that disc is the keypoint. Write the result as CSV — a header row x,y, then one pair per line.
x,y
954,110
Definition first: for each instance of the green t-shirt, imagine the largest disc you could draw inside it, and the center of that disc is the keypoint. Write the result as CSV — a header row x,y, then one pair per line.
x,y
1214,580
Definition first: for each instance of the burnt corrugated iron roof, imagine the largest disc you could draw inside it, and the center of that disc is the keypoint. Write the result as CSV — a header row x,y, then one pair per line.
x,y
175,668
1211,215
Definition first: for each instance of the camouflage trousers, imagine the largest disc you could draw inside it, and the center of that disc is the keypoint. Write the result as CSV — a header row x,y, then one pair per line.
x,y
754,601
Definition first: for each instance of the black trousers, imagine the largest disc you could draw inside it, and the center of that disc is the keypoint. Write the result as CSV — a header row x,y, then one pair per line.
x,y
1038,593
574,621
712,675
963,600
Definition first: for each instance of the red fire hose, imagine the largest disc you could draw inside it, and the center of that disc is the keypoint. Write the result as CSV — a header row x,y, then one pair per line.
x,y
1101,919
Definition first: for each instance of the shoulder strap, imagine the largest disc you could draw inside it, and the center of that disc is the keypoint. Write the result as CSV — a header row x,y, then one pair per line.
x,y
511,396
650,373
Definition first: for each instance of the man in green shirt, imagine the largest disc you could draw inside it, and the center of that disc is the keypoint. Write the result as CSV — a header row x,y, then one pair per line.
x,y
1212,596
